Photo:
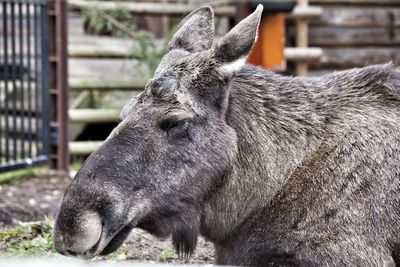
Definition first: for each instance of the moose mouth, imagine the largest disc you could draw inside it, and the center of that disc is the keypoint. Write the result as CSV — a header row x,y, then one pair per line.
x,y
106,245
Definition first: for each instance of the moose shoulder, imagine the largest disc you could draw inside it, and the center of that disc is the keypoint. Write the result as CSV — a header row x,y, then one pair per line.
x,y
273,170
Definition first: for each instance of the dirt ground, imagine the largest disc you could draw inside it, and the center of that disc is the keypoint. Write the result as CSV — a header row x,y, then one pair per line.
x,y
35,198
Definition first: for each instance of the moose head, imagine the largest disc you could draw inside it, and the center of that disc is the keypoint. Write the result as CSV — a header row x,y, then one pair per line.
x,y
171,150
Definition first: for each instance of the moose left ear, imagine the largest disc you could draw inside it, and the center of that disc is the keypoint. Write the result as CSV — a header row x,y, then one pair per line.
x,y
195,33
236,45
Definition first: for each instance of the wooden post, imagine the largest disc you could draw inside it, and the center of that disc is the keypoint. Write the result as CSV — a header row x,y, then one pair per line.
x,y
59,156
301,39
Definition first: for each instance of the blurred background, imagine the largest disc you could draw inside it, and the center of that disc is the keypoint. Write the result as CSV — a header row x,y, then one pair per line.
x,y
68,67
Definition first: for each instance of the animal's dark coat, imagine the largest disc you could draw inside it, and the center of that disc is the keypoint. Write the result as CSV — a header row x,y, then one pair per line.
x,y
273,170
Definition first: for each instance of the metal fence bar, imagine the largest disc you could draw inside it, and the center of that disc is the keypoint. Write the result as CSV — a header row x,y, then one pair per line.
x,y
44,40
34,2
5,79
28,27
36,57
13,79
2,14
24,84
21,80
19,164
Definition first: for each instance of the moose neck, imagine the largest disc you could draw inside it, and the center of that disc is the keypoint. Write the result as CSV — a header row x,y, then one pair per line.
x,y
277,125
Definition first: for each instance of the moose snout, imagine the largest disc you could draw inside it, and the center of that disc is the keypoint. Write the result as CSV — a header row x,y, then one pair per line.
x,y
77,236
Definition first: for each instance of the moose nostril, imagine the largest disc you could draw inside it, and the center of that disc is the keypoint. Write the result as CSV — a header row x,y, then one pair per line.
x,y
71,253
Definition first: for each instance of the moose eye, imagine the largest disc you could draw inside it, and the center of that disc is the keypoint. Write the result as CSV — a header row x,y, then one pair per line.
x,y
175,128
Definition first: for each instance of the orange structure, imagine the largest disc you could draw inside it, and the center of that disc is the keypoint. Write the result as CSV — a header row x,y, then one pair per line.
x,y
268,51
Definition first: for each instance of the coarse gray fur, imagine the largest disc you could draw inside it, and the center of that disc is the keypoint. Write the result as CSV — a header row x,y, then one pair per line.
x,y
274,170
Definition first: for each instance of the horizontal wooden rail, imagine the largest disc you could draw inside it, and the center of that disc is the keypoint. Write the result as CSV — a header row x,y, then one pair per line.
x,y
94,115
96,84
176,9
83,147
357,2
303,53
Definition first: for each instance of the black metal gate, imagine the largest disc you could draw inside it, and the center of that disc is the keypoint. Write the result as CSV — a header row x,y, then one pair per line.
x,y
24,90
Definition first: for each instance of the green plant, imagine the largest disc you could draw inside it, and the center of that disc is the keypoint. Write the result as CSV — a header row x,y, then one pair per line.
x,y
19,175
98,21
166,254
28,239
117,256
119,21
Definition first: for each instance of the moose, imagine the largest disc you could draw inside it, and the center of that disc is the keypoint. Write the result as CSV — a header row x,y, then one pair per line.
x,y
273,170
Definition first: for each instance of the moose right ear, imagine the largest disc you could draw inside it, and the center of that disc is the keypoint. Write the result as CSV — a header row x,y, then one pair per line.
x,y
195,33
236,45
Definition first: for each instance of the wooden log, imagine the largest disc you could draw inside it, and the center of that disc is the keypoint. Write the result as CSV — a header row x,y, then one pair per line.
x,y
94,115
174,9
303,53
356,16
357,2
331,36
107,85
104,47
83,147
108,69
343,58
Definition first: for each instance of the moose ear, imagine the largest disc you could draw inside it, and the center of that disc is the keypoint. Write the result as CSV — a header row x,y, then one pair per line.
x,y
236,45
195,33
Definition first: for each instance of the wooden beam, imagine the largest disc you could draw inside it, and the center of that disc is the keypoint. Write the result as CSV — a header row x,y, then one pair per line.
x,y
357,2
83,147
107,85
343,58
175,9
360,16
94,115
303,53
333,36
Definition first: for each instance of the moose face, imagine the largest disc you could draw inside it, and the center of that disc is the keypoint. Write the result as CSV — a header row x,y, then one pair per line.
x,y
172,148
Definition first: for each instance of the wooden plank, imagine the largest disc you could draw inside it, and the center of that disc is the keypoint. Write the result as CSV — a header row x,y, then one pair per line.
x,y
108,69
342,58
175,9
107,85
83,147
303,53
331,36
356,16
102,46
94,115
357,2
